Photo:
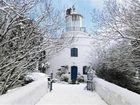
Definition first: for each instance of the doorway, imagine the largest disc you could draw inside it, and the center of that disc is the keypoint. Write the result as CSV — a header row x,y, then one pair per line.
x,y
74,71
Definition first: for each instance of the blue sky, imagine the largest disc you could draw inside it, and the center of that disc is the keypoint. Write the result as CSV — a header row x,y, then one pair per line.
x,y
83,7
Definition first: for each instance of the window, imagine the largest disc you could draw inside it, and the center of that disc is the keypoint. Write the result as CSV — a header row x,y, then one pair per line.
x,y
85,70
74,52
75,18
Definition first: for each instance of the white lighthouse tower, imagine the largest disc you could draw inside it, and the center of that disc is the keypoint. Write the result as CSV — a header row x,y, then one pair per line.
x,y
75,56
74,21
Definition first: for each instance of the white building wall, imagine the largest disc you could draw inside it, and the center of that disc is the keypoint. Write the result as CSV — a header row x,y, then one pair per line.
x,y
83,43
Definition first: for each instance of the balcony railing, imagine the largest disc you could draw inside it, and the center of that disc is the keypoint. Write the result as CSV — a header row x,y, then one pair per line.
x,y
83,29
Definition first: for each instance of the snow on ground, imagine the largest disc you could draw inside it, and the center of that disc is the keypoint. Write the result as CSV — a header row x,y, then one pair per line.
x,y
35,76
68,94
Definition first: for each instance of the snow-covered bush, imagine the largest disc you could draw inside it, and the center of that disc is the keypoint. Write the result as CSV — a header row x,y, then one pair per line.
x,y
64,77
61,73
80,78
117,67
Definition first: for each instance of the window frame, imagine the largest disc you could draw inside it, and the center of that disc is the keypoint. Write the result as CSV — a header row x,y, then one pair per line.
x,y
74,52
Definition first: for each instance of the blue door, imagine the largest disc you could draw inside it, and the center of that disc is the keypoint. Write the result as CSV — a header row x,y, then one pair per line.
x,y
74,73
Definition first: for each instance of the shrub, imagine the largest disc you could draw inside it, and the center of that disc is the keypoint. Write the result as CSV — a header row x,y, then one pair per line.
x,y
64,77
80,78
121,78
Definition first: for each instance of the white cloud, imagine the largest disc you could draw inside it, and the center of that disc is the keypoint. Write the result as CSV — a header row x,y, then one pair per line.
x,y
96,3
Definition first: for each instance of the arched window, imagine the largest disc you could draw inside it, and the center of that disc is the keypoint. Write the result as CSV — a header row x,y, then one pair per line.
x,y
74,52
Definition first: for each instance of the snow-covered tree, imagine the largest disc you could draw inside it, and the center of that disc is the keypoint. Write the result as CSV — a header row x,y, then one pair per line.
x,y
22,40
119,22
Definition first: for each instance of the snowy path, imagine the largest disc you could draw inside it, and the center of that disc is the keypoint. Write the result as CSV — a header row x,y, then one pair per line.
x,y
66,94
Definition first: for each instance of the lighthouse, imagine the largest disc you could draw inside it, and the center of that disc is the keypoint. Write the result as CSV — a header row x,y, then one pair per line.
x,y
75,56
74,21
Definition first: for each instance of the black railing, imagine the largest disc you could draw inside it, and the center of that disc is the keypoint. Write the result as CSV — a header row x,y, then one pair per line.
x,y
83,29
